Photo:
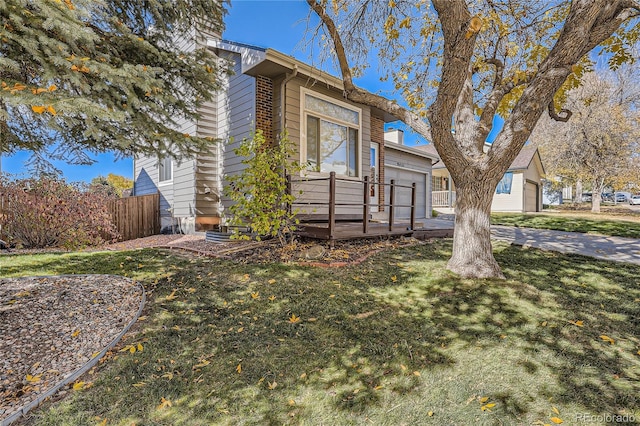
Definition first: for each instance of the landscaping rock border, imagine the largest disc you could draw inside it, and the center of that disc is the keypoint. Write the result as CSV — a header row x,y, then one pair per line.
x,y
29,288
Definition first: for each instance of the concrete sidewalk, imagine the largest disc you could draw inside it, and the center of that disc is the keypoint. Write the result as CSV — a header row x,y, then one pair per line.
x,y
615,249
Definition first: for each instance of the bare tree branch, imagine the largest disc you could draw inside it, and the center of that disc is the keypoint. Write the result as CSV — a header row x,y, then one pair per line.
x,y
566,114
355,94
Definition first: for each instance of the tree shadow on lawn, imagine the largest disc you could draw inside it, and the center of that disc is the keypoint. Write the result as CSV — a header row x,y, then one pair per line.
x,y
558,313
222,341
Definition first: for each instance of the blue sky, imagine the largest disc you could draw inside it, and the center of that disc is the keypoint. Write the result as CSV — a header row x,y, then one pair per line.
x,y
279,25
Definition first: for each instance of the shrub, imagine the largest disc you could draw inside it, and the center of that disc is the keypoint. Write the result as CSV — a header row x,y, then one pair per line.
x,y
259,193
49,212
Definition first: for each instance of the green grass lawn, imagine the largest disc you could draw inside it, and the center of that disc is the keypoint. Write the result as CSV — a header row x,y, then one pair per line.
x,y
395,340
570,222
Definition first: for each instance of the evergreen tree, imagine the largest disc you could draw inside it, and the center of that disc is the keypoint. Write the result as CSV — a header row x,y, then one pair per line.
x,y
82,76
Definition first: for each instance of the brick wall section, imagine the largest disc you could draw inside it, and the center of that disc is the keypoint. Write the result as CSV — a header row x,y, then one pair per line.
x,y
377,135
264,107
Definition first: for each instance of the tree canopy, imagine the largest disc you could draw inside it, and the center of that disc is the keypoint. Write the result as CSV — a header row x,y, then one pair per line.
x,y
112,184
458,63
599,143
82,76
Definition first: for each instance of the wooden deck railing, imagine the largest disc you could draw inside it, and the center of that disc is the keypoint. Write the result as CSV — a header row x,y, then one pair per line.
x,y
366,201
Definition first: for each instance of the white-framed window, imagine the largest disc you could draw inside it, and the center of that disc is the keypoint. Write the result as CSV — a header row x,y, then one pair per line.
x,y
332,132
165,170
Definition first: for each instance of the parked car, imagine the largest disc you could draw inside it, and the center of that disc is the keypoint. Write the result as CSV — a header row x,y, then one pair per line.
x,y
621,197
607,196
634,200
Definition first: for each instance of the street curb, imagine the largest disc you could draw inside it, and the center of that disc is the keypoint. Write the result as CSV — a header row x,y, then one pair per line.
x,y
89,364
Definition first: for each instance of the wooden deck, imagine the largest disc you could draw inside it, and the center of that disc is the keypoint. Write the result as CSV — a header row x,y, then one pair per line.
x,y
332,226
431,228
351,230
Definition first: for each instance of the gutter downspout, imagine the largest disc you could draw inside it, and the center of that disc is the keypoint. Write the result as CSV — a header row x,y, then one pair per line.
x,y
283,100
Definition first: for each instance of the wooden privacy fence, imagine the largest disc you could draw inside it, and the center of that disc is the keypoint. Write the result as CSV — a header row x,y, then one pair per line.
x,y
136,217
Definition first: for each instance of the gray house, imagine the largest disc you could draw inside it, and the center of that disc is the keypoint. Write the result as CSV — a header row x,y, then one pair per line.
x,y
272,92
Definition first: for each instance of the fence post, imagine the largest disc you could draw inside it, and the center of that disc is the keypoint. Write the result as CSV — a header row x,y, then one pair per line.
x,y
392,196
332,206
365,208
413,206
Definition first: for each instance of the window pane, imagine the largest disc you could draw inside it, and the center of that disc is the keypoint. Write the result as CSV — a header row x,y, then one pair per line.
x,y
333,148
504,186
164,169
331,110
312,142
353,152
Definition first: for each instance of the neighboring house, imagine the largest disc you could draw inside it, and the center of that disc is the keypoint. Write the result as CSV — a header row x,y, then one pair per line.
x,y
273,92
520,190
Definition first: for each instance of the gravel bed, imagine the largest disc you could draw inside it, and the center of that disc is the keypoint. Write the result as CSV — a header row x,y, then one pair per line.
x,y
52,326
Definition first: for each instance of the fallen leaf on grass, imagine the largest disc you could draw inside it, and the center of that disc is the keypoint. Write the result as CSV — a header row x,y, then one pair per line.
x,y
255,295
164,403
139,384
239,368
272,385
555,410
271,281
75,333
484,399
294,319
487,407
607,339
78,386
203,363
272,297
430,414
172,295
394,278
556,420
578,323
416,373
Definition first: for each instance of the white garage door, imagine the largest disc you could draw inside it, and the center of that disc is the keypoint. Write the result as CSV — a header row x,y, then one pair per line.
x,y
403,195
530,197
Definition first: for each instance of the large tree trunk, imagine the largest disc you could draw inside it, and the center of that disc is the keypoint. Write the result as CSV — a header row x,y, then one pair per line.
x,y
472,254
577,198
596,195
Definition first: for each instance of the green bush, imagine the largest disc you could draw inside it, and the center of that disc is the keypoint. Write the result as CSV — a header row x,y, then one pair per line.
x,y
260,195
49,212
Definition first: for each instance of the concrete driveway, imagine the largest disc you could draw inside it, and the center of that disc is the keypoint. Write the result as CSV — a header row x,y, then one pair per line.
x,y
616,249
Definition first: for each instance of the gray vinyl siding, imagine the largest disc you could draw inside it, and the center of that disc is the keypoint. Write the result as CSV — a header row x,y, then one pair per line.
x,y
206,167
406,168
179,193
399,158
236,119
349,191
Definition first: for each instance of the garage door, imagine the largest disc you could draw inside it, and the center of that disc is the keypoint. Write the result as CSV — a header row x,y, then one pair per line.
x,y
403,195
530,197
